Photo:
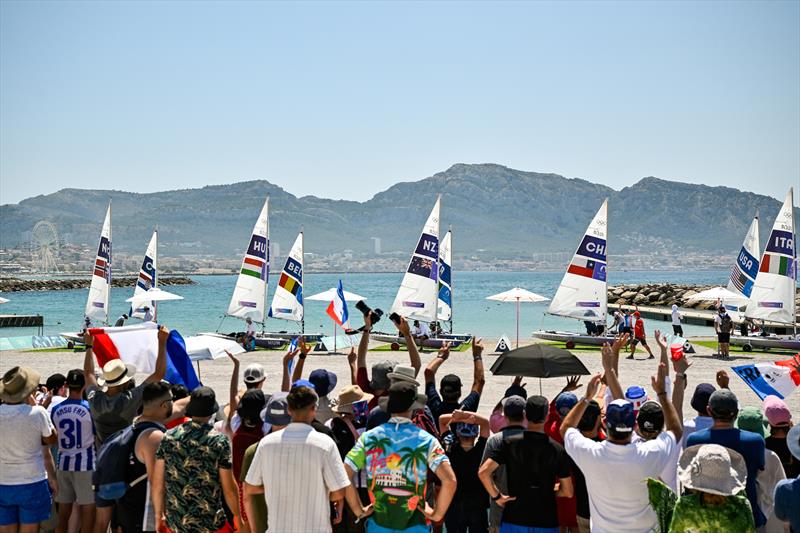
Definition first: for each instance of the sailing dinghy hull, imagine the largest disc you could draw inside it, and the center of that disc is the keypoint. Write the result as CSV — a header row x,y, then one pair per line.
x,y
577,338
434,343
765,343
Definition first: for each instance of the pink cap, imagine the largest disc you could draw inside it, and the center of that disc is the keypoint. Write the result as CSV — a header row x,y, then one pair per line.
x,y
776,411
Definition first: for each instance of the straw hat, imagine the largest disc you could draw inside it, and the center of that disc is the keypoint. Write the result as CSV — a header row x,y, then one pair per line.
x,y
350,395
116,373
712,468
18,383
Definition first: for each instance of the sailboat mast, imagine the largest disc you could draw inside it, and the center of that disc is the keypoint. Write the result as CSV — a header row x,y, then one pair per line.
x,y
302,279
450,231
110,257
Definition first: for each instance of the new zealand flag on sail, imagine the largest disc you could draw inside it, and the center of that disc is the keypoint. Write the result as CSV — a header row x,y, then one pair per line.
x,y
423,267
102,264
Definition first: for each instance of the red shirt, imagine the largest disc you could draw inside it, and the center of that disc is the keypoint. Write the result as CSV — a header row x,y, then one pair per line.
x,y
638,329
362,380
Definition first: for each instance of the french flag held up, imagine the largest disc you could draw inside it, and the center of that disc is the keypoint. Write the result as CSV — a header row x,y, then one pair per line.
x,y
780,378
138,345
337,309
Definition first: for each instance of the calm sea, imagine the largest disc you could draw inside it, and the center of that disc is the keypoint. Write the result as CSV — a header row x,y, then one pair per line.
x,y
205,303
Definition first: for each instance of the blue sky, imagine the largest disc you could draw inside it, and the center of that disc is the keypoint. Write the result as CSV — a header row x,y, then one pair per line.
x,y
344,99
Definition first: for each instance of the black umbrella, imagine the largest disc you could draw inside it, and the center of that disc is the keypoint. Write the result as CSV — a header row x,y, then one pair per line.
x,y
539,361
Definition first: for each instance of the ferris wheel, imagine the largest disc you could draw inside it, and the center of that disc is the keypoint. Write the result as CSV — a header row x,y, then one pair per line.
x,y
44,246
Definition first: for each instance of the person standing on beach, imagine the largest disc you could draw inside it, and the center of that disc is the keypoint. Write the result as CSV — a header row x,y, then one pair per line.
x,y
148,315
723,325
639,336
72,419
677,328
25,487
249,334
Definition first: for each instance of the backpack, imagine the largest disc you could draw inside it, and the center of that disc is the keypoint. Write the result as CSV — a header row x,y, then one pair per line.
x,y
422,420
726,323
110,474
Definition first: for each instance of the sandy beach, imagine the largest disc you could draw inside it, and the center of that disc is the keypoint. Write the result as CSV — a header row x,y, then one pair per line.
x,y
217,373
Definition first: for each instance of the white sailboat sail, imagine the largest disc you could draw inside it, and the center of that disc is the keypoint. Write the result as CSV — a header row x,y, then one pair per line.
x,y
249,296
445,311
583,291
100,289
287,303
418,293
773,292
147,277
745,269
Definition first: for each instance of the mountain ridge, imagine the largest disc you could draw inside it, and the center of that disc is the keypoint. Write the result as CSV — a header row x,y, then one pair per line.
x,y
499,210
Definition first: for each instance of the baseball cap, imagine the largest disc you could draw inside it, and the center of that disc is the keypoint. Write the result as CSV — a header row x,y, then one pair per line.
x,y
277,410
324,381
751,419
723,403
55,382
650,417
636,395
514,407
254,373
564,402
636,314
304,383
516,390
380,374
450,384
401,397
75,378
620,417
702,393
776,411
202,402
536,408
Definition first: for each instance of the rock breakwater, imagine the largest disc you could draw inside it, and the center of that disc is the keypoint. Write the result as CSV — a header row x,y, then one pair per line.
x,y
16,284
660,295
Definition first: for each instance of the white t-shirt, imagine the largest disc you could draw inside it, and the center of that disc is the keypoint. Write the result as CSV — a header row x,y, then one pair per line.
x,y
421,330
765,489
251,329
626,468
299,468
676,318
22,428
670,473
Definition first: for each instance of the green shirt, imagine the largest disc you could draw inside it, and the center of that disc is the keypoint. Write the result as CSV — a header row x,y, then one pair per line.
x,y
193,454
258,518
691,516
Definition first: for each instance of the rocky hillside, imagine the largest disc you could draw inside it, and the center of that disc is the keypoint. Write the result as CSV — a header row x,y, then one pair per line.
x,y
502,211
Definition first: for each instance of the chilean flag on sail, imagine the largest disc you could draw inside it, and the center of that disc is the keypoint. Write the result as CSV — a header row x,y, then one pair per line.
x,y
337,309
780,378
137,345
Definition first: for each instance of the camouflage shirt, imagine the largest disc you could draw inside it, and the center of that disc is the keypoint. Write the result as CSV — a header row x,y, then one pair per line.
x,y
193,454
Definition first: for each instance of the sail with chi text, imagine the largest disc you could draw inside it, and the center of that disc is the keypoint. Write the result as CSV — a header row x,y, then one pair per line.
x,y
287,304
100,289
772,297
583,290
147,277
743,273
417,297
445,311
249,296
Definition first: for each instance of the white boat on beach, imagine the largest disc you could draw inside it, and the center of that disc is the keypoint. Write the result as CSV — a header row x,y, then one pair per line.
x,y
772,296
583,292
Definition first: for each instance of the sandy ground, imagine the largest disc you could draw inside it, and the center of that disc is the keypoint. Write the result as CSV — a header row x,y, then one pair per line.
x,y
217,373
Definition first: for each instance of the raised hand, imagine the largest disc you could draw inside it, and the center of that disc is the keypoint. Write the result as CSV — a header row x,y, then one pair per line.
x,y
518,381
290,355
593,386
573,383
87,338
477,347
681,365
660,340
444,351
607,356
232,358
163,334
304,348
619,342
403,327
351,357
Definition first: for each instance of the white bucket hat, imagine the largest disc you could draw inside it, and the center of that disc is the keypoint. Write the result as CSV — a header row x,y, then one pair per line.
x,y
116,373
403,373
712,468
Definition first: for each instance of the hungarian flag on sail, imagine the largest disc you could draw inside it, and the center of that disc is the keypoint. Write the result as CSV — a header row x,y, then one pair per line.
x,y
255,260
337,309
780,378
137,345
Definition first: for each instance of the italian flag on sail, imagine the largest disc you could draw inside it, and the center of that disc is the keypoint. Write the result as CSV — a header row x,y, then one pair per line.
x,y
776,264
